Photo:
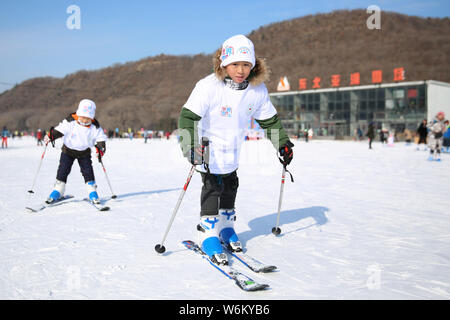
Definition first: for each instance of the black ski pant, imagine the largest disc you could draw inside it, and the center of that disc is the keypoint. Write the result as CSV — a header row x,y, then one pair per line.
x,y
422,139
218,192
65,166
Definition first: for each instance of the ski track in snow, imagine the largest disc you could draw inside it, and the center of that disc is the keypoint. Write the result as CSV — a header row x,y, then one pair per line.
x,y
356,224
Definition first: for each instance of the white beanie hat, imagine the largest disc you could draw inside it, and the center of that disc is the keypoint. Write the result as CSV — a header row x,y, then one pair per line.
x,y
237,48
86,108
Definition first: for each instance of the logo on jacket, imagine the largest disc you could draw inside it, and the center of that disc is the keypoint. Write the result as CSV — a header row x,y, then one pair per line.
x,y
226,111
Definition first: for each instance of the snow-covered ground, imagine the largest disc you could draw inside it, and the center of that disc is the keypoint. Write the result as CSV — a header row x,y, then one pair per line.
x,y
356,224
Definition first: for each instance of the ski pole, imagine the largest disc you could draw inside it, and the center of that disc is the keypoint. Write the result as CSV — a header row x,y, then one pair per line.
x,y
205,142
276,230
106,175
39,168
160,247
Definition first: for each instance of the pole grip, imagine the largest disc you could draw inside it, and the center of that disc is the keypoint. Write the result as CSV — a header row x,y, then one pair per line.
x,y
205,153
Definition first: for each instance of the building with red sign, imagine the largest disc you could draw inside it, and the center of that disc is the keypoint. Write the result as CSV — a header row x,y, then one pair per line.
x,y
338,112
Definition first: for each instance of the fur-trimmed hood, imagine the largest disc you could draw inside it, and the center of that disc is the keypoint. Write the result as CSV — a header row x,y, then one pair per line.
x,y
258,75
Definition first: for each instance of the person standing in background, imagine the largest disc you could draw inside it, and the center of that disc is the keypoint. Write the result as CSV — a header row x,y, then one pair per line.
x,y
436,134
39,137
422,131
371,134
5,134
446,143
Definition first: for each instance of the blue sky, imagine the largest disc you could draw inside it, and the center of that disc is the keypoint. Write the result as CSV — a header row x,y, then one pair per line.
x,y
36,42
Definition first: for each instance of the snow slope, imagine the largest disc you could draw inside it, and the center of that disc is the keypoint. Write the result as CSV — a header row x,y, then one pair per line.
x,y
356,224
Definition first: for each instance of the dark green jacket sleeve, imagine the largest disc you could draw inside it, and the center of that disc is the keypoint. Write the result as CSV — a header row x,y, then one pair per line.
x,y
187,128
274,131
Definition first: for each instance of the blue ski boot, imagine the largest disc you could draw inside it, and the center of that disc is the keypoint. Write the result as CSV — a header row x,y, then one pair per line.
x,y
227,233
57,193
208,239
91,188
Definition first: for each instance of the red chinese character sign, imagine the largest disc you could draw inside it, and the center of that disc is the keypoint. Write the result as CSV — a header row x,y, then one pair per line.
x,y
399,74
302,84
335,80
377,76
316,82
355,79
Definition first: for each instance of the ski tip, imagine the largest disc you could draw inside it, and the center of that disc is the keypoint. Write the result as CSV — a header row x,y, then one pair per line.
x,y
268,269
260,287
113,196
105,209
28,209
188,244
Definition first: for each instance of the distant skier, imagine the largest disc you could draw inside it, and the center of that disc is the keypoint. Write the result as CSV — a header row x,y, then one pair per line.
x,y
299,133
39,137
80,131
145,136
371,134
446,143
310,133
5,134
359,133
435,136
222,105
422,131
383,138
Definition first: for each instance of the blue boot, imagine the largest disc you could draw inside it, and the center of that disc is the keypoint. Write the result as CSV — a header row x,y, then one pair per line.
x,y
227,233
91,188
57,193
208,239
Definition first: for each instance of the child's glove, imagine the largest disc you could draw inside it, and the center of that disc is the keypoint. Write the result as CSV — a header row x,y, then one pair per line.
x,y
286,153
100,148
52,136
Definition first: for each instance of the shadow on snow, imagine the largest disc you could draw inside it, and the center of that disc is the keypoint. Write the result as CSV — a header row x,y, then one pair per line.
x,y
134,194
263,225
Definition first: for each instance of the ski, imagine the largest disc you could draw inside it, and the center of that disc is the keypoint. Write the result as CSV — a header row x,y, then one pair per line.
x,y
241,280
99,207
250,262
51,204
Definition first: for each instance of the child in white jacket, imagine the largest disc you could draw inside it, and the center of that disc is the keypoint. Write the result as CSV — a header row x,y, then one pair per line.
x,y
221,106
80,131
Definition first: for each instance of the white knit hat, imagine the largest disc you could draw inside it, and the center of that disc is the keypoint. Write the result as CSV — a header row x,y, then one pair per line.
x,y
237,48
86,108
